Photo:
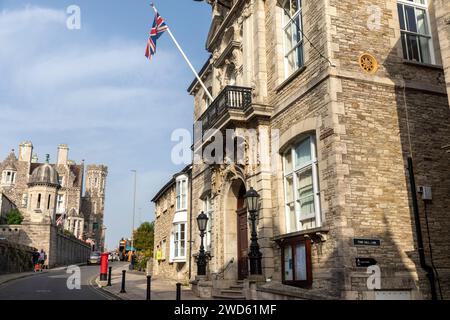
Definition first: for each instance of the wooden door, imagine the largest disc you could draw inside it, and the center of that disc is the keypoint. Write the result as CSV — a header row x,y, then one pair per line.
x,y
242,239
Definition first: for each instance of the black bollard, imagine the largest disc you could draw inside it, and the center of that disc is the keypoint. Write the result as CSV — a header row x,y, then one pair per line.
x,y
109,277
123,282
149,282
178,291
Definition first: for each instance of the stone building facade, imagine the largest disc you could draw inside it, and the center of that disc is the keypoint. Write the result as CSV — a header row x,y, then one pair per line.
x,y
50,198
328,100
172,254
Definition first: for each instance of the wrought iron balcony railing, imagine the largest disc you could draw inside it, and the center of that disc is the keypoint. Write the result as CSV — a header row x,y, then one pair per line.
x,y
231,97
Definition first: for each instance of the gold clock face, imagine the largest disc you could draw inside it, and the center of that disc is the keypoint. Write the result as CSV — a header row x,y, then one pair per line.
x,y
368,63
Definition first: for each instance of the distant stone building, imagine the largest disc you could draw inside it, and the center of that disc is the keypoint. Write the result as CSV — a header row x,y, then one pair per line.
x,y
340,95
172,254
50,198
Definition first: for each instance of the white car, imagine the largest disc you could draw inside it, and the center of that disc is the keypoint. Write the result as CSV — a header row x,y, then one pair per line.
x,y
94,258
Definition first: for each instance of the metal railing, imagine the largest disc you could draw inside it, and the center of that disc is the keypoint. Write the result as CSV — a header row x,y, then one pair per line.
x,y
231,97
221,273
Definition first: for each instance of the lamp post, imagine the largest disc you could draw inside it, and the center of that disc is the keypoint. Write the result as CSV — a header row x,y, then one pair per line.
x,y
134,210
255,256
202,221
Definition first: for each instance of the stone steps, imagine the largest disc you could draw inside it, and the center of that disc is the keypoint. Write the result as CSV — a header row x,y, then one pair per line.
x,y
227,297
234,292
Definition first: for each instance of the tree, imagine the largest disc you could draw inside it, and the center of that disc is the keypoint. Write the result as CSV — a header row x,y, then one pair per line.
x,y
143,239
14,217
144,236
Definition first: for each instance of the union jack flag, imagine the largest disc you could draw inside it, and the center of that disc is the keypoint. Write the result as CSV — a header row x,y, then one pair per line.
x,y
159,26
60,220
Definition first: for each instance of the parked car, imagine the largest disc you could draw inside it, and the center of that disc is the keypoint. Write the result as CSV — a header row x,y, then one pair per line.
x,y
94,258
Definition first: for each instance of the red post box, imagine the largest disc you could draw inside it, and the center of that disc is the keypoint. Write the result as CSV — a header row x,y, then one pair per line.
x,y
104,267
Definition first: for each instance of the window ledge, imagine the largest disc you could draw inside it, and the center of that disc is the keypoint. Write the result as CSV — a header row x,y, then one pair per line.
x,y
177,260
289,79
421,64
316,234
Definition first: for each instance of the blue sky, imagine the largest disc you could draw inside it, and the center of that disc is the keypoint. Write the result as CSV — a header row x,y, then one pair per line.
x,y
94,90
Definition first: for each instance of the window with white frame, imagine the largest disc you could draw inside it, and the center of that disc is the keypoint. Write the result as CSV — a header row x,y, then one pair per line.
x,y
9,177
292,35
181,190
207,209
61,180
60,203
178,245
415,30
301,186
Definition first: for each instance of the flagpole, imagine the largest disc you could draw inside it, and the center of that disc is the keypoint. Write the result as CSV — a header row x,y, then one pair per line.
x,y
185,57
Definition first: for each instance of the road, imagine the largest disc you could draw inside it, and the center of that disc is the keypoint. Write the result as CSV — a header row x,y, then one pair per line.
x,y
53,285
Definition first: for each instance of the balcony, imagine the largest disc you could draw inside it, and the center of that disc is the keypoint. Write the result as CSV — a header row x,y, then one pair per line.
x,y
231,99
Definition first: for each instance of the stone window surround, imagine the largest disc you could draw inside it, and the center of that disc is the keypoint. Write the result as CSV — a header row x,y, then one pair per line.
x,y
295,132
299,44
429,26
282,79
312,139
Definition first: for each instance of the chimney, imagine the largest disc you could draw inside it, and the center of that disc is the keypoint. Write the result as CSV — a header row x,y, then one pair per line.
x,y
63,154
25,151
35,158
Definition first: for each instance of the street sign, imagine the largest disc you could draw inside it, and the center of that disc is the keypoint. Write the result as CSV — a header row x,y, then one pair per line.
x,y
366,242
365,262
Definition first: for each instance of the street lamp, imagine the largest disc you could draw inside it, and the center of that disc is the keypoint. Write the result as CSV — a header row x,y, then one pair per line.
x,y
255,256
202,221
134,210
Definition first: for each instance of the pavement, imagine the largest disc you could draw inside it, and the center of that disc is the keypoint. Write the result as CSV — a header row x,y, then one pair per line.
x,y
136,286
53,284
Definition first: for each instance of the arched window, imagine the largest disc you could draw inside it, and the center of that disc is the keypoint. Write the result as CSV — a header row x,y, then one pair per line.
x,y
301,185
48,203
38,201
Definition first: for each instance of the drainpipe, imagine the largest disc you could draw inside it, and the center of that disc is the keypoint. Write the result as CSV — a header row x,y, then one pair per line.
x,y
423,264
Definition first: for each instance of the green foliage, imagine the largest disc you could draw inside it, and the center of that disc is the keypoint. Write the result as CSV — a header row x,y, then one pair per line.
x,y
141,259
143,242
144,237
68,233
14,217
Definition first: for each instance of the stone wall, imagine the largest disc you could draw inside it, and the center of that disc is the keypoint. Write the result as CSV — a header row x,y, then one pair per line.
x,y
15,257
61,249
70,250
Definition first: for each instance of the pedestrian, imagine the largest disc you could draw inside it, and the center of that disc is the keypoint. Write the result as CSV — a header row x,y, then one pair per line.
x,y
35,259
42,258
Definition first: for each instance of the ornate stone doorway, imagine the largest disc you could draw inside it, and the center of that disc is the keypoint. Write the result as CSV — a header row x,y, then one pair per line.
x,y
235,232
